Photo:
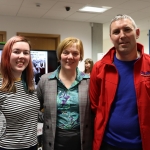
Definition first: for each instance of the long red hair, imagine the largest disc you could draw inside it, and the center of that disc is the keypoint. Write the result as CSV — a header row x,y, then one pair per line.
x,y
8,79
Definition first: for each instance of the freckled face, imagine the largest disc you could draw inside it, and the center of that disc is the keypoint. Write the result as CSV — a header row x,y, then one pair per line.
x,y
20,57
70,57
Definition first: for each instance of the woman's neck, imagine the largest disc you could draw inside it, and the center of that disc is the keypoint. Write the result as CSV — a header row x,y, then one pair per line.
x,y
87,71
67,77
67,74
17,77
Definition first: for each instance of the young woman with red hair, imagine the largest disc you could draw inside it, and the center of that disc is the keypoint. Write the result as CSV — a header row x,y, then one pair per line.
x,y
18,102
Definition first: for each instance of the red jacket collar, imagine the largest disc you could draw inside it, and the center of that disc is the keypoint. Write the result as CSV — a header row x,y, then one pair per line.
x,y
109,56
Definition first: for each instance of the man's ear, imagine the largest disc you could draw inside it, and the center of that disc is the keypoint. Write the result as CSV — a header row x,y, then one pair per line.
x,y
137,33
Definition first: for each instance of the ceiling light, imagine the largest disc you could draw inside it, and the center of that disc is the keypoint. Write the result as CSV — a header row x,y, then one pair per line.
x,y
94,9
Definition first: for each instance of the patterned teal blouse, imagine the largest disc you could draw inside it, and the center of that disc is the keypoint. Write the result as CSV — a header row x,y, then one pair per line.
x,y
68,101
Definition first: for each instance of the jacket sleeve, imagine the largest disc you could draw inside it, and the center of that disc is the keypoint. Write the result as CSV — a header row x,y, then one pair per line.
x,y
41,99
95,88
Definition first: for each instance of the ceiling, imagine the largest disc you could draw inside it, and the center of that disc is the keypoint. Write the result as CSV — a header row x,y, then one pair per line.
x,y
139,10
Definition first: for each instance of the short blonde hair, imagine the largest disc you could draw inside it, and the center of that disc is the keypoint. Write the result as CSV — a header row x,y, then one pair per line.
x,y
69,42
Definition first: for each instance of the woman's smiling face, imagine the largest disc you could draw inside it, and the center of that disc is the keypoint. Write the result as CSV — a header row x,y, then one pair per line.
x,y
19,58
70,57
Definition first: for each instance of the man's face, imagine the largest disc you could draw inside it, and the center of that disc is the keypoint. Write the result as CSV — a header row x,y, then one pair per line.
x,y
123,35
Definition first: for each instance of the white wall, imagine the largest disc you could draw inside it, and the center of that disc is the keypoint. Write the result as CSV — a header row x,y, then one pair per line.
x,y
81,30
107,44
143,39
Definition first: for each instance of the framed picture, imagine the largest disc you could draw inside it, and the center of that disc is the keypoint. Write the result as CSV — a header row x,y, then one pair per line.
x,y
44,61
40,64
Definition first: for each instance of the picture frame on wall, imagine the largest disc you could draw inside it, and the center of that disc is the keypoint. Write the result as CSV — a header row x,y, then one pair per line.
x,y
40,64
44,61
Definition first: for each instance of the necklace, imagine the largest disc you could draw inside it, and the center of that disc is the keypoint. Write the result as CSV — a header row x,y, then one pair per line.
x,y
18,79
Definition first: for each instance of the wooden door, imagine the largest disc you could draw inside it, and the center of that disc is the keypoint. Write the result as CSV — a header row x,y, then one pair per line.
x,y
2,36
42,41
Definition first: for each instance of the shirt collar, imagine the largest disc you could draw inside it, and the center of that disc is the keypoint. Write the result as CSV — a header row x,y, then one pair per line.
x,y
80,75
